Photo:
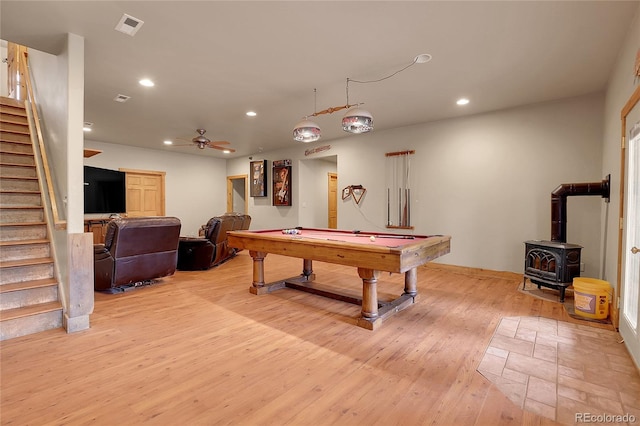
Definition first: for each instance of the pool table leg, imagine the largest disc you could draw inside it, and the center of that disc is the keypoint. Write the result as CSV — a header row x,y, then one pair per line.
x,y
369,293
307,270
257,287
411,282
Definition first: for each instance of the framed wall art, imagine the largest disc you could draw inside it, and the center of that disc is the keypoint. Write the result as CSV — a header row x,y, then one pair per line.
x,y
282,183
258,185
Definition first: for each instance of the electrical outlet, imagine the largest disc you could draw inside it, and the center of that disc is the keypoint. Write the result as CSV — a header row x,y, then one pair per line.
x,y
581,266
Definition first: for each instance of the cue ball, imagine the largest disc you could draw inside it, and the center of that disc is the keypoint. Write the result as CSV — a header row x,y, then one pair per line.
x,y
372,238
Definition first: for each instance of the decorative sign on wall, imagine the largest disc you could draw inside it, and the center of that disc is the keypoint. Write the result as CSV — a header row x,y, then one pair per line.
x,y
399,189
282,183
258,178
317,149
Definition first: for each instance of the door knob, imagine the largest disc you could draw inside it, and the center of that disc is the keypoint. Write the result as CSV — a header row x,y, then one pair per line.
x,y
635,250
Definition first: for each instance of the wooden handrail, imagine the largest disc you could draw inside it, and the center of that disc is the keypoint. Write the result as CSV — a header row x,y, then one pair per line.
x,y
23,67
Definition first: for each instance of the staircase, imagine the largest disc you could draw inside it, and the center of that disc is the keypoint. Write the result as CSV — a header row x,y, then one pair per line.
x,y
29,301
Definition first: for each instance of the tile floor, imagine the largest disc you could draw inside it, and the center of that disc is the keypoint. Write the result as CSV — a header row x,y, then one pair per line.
x,y
562,371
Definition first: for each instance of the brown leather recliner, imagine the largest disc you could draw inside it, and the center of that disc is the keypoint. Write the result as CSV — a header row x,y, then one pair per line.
x,y
216,231
136,250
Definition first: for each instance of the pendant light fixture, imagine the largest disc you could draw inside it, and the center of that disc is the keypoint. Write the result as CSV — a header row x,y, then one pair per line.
x,y
308,131
356,120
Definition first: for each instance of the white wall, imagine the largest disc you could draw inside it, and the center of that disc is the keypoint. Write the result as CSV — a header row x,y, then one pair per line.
x,y
621,86
59,90
486,180
195,186
314,191
50,79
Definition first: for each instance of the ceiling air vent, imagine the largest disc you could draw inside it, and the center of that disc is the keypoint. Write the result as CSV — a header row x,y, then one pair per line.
x,y
122,98
129,25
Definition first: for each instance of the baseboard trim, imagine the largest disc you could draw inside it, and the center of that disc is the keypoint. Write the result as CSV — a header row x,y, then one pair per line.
x,y
466,270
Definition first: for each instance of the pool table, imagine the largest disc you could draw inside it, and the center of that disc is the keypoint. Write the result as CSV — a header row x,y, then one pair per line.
x,y
370,252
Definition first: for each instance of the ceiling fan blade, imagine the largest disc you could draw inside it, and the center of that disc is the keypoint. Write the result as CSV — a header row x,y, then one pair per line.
x,y
221,148
215,145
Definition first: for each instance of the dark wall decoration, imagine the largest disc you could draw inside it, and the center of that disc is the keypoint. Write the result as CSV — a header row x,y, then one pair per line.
x,y
282,183
258,186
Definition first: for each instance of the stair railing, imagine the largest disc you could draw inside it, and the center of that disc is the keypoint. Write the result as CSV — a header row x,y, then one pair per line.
x,y
23,67
42,167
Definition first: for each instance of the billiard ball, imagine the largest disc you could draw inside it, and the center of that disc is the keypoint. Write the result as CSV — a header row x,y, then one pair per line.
x,y
372,238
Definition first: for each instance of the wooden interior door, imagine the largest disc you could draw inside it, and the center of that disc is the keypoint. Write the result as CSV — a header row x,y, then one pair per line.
x,y
332,201
145,193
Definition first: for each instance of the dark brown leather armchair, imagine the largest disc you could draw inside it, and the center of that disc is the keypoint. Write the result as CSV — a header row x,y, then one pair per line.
x,y
136,250
216,231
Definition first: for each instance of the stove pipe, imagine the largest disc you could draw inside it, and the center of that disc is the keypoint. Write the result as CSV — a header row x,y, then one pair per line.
x,y
559,203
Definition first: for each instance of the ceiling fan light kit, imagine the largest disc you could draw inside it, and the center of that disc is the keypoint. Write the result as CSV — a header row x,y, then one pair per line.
x,y
202,142
356,120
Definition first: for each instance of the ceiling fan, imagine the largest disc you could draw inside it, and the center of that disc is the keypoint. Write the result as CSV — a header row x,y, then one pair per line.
x,y
202,142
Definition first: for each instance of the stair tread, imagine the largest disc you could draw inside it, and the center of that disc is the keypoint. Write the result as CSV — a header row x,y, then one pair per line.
x,y
9,314
23,224
17,165
10,119
23,242
6,151
26,262
18,191
18,207
24,285
15,132
11,102
11,110
16,142
18,177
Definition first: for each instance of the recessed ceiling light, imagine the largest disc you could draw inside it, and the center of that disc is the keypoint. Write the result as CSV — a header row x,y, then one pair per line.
x,y
146,82
87,126
251,113
226,151
168,142
462,101
86,129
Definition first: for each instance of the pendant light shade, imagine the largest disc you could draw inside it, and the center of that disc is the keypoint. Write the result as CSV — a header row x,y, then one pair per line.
x,y
306,131
357,120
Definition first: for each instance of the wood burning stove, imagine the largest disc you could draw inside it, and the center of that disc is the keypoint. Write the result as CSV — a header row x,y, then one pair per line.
x,y
555,263
552,264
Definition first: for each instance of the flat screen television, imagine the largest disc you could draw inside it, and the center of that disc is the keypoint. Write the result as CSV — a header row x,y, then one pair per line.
x,y
104,191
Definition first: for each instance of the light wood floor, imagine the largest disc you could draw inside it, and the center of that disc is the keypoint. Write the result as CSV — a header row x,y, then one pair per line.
x,y
199,349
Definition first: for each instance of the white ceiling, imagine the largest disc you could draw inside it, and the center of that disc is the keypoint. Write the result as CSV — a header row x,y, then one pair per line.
x,y
214,60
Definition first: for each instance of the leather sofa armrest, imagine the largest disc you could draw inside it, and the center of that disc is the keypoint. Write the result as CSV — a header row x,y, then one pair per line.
x,y
103,267
100,252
